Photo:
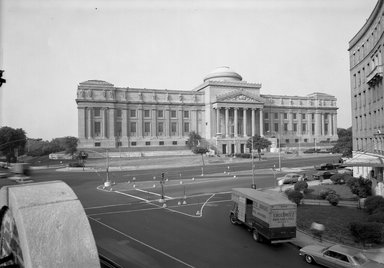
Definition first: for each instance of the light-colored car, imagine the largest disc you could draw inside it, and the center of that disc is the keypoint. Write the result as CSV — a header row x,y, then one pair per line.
x,y
337,256
290,178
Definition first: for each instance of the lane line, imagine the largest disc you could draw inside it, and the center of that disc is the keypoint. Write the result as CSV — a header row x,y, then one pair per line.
x,y
142,243
157,207
153,193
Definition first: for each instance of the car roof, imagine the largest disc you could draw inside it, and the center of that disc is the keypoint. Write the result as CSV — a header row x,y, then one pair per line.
x,y
344,249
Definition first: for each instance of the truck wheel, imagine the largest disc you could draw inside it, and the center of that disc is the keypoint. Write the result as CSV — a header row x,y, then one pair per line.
x,y
233,219
308,259
256,236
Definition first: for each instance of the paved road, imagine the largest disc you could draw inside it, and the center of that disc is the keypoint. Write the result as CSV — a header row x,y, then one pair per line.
x,y
132,228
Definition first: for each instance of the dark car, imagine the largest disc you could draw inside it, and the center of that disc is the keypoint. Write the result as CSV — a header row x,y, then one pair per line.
x,y
328,166
323,175
337,256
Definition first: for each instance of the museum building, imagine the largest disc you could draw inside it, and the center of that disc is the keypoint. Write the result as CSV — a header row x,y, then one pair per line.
x,y
224,110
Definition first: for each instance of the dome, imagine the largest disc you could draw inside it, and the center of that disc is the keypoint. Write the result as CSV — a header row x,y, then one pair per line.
x,y
223,73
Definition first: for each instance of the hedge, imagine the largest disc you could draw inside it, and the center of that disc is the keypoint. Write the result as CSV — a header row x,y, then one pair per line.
x,y
373,202
367,232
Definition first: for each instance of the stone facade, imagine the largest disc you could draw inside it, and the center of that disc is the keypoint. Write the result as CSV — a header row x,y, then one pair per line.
x,y
224,110
367,93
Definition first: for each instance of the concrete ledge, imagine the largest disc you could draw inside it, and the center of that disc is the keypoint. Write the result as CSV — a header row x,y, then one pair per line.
x,y
51,227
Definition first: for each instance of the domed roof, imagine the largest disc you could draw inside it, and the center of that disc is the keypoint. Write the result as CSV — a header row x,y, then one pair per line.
x,y
223,73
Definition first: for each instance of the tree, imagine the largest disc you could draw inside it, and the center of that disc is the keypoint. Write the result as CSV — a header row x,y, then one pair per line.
x,y
259,143
12,141
344,143
193,140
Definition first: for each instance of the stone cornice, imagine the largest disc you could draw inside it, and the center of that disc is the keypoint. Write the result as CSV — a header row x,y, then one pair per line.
x,y
231,84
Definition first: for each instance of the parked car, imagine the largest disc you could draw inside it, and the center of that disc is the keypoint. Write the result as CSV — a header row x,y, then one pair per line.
x,y
345,171
3,175
76,164
290,178
336,256
310,151
323,175
328,166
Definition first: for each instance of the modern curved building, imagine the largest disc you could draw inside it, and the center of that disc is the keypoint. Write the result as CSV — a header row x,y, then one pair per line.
x,y
367,94
224,110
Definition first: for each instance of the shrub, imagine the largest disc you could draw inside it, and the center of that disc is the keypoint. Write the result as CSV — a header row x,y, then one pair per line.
x,y
340,178
378,210
295,196
300,186
360,187
367,232
373,202
325,192
244,155
333,199
377,217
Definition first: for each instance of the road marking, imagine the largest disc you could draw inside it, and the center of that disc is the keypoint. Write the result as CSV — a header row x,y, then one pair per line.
x,y
142,243
142,199
157,207
148,192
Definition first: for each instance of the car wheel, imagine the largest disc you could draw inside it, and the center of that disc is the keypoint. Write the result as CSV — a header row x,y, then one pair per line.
x,y
233,219
308,259
256,236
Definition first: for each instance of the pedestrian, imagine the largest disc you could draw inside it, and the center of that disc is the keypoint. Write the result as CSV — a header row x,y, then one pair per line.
x,y
317,230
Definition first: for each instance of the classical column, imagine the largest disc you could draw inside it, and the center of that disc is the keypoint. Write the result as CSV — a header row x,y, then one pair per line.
x,y
124,123
154,122
180,122
140,121
290,122
253,121
236,121
218,130
261,122
103,122
317,124
89,123
81,121
245,122
226,122
167,122
111,123
309,123
322,124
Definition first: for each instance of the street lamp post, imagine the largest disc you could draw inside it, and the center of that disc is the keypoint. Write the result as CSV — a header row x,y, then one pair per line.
x,y
279,152
253,168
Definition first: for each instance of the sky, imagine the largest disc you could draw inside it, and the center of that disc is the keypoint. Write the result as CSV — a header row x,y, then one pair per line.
x,y
48,47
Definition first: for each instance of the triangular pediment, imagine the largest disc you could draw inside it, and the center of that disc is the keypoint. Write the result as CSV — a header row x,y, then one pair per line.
x,y
239,96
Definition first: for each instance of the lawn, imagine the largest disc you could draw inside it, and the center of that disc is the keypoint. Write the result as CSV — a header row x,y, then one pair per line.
x,y
336,219
342,190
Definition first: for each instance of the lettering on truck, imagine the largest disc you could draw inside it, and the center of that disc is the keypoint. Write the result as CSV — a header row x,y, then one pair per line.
x,y
283,218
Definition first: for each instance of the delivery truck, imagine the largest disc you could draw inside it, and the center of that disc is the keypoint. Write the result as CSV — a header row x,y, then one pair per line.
x,y
270,216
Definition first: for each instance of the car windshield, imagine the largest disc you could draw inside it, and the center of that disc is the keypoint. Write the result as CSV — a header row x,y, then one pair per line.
x,y
360,258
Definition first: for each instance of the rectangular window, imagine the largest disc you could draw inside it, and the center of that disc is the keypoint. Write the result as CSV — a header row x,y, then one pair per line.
x,y
325,116
304,128
186,127
118,113
146,113
161,142
266,115
160,128
295,127
266,127
173,113
133,127
276,127
287,141
186,114
173,128
118,129
276,116
96,112
285,126
285,116
147,143
305,140
174,142
302,116
313,128
133,143
147,128
326,128
313,116
160,113
119,144
132,113
296,140
97,129
97,144
294,115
